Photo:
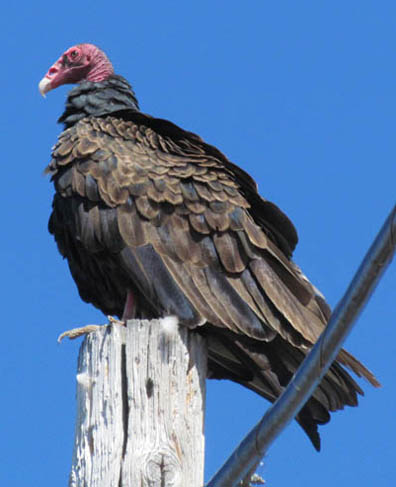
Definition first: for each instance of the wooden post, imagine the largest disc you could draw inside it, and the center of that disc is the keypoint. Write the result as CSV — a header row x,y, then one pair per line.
x,y
140,407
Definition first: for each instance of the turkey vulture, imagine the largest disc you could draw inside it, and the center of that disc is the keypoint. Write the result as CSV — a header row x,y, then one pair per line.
x,y
154,222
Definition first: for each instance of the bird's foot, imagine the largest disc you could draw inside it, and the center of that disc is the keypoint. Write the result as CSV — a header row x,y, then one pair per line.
x,y
78,332
114,321
84,330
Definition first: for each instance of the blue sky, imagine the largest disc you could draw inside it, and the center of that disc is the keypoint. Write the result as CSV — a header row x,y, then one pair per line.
x,y
302,96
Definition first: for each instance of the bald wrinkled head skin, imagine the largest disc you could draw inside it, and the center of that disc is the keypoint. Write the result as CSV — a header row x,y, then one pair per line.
x,y
83,62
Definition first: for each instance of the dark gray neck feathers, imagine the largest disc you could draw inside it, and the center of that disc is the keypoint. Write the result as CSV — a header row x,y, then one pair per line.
x,y
98,99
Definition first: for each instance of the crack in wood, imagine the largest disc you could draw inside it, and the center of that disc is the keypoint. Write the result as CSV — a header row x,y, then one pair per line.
x,y
124,396
149,387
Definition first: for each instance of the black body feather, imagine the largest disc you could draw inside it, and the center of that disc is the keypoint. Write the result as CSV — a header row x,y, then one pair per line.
x,y
146,206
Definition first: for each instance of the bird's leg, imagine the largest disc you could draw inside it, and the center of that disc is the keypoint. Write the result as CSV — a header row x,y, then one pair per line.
x,y
129,307
128,314
129,310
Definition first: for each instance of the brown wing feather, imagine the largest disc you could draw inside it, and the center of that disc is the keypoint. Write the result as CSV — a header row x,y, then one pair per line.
x,y
201,220
141,173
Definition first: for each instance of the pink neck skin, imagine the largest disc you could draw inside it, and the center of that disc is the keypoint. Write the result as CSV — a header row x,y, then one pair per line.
x,y
102,67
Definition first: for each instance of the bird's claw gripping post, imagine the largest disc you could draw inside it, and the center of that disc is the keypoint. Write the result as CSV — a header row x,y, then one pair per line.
x,y
114,321
84,330
78,332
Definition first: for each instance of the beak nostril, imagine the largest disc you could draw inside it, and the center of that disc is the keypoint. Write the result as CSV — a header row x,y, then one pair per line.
x,y
53,70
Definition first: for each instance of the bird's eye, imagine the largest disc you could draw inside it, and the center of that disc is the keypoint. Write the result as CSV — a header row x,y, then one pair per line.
x,y
74,54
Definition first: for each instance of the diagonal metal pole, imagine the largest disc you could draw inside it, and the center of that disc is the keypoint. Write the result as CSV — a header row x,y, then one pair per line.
x,y
253,447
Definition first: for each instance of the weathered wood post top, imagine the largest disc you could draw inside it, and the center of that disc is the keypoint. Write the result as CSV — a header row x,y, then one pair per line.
x,y
140,407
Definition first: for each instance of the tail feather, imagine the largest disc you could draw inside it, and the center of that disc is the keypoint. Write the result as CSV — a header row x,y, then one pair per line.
x,y
357,367
267,367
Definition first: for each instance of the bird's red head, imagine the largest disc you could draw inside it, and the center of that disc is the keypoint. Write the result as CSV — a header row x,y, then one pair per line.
x,y
83,62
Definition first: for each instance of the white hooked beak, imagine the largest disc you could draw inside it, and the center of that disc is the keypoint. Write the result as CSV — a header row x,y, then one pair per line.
x,y
44,86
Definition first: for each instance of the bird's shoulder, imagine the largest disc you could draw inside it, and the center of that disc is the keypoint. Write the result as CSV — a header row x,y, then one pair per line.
x,y
131,154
